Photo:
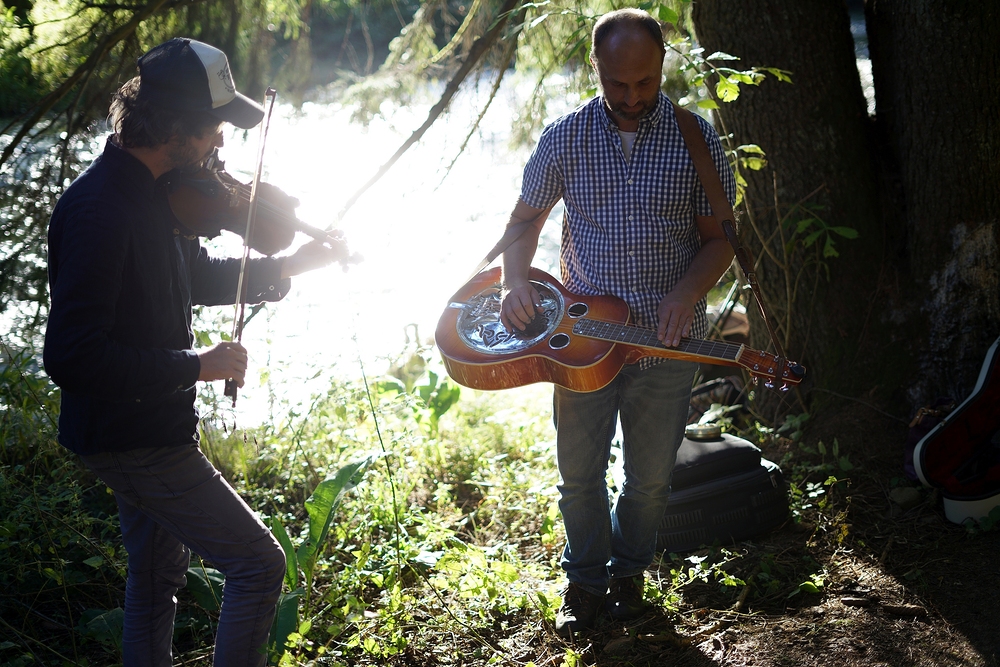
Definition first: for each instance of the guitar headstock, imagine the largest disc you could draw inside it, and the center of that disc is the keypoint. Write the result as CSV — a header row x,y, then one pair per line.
x,y
771,368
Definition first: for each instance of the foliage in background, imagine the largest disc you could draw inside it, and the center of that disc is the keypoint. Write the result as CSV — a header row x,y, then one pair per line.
x,y
49,48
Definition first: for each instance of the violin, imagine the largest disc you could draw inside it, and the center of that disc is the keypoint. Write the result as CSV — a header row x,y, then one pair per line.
x,y
208,200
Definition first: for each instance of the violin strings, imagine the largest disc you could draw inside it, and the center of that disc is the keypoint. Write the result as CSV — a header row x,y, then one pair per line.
x,y
244,197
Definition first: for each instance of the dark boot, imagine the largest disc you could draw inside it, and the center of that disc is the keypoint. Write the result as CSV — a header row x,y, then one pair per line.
x,y
578,611
624,601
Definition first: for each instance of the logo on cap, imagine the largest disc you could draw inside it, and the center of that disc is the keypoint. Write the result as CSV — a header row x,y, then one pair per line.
x,y
227,78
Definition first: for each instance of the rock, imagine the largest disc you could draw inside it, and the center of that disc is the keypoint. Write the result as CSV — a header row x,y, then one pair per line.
x,y
904,610
906,497
618,646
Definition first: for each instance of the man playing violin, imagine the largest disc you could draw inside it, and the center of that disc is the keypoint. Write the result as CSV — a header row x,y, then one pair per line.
x,y
119,341
637,225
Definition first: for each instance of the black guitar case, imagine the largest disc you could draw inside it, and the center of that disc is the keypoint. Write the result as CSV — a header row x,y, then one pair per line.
x,y
722,491
961,455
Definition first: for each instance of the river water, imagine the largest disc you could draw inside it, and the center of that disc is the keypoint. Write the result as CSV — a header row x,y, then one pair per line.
x,y
421,231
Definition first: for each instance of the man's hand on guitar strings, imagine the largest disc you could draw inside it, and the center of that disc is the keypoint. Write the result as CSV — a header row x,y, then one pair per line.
x,y
674,317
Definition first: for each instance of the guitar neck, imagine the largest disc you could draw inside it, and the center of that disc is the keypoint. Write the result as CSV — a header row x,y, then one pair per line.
x,y
718,352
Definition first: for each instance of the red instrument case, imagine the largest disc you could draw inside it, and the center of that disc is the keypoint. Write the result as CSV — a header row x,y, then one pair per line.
x,y
961,455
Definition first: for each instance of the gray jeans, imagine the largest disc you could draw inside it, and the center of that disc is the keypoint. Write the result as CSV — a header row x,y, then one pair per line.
x,y
172,501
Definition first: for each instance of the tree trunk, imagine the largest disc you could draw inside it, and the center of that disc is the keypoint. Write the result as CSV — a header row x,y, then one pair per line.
x,y
815,134
936,68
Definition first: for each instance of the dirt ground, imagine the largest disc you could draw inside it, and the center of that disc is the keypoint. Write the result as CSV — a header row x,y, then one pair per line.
x,y
901,587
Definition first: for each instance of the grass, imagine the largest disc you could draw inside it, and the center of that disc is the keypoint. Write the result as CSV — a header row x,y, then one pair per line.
x,y
445,552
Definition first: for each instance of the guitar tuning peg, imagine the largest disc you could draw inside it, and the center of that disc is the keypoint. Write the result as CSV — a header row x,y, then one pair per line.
x,y
784,387
769,383
754,379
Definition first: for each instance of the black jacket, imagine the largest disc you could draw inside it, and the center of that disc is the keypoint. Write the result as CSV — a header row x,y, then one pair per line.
x,y
123,281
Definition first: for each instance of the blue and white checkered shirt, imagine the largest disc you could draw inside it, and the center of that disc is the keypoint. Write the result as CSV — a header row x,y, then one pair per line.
x,y
629,228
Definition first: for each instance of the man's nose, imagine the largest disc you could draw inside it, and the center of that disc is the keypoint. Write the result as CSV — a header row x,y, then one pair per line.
x,y
631,96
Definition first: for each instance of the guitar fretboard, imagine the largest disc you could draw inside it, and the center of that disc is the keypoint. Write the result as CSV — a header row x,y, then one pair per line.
x,y
642,337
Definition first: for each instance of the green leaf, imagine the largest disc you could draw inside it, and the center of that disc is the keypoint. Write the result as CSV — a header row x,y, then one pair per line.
x,y
320,506
726,90
707,104
747,78
537,21
721,55
205,586
803,225
808,587
750,148
286,621
666,15
780,74
94,561
846,232
828,249
291,561
107,628
809,240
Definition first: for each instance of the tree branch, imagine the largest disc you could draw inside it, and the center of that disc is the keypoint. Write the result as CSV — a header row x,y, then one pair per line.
x,y
479,49
84,70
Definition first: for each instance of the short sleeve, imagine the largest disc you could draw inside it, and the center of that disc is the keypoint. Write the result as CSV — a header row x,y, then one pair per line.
x,y
542,185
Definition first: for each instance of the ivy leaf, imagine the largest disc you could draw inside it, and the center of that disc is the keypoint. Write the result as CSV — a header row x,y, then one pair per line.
x,y
707,104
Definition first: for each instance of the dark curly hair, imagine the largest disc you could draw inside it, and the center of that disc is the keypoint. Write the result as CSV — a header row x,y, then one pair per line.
x,y
616,19
141,124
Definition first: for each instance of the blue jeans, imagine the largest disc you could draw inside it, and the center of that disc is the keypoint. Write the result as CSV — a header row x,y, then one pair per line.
x,y
172,501
652,404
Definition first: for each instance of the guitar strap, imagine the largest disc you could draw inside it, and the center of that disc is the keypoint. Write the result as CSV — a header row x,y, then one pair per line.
x,y
723,212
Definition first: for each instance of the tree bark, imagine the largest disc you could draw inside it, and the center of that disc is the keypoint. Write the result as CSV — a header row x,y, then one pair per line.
x,y
936,68
815,134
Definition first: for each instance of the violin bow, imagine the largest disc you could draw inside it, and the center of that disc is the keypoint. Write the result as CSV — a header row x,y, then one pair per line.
x,y
241,286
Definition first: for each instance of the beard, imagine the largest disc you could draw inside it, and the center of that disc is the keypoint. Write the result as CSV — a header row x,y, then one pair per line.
x,y
618,109
187,153
184,155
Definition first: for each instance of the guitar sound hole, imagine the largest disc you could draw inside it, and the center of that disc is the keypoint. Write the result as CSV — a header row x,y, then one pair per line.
x,y
578,309
559,341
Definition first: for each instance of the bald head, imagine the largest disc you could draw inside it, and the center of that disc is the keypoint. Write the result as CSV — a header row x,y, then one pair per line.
x,y
627,57
634,25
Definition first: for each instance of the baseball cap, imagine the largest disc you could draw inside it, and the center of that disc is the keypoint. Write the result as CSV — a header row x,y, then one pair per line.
x,y
188,75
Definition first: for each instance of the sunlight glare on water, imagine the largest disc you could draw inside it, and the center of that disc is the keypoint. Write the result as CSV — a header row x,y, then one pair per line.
x,y
420,234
